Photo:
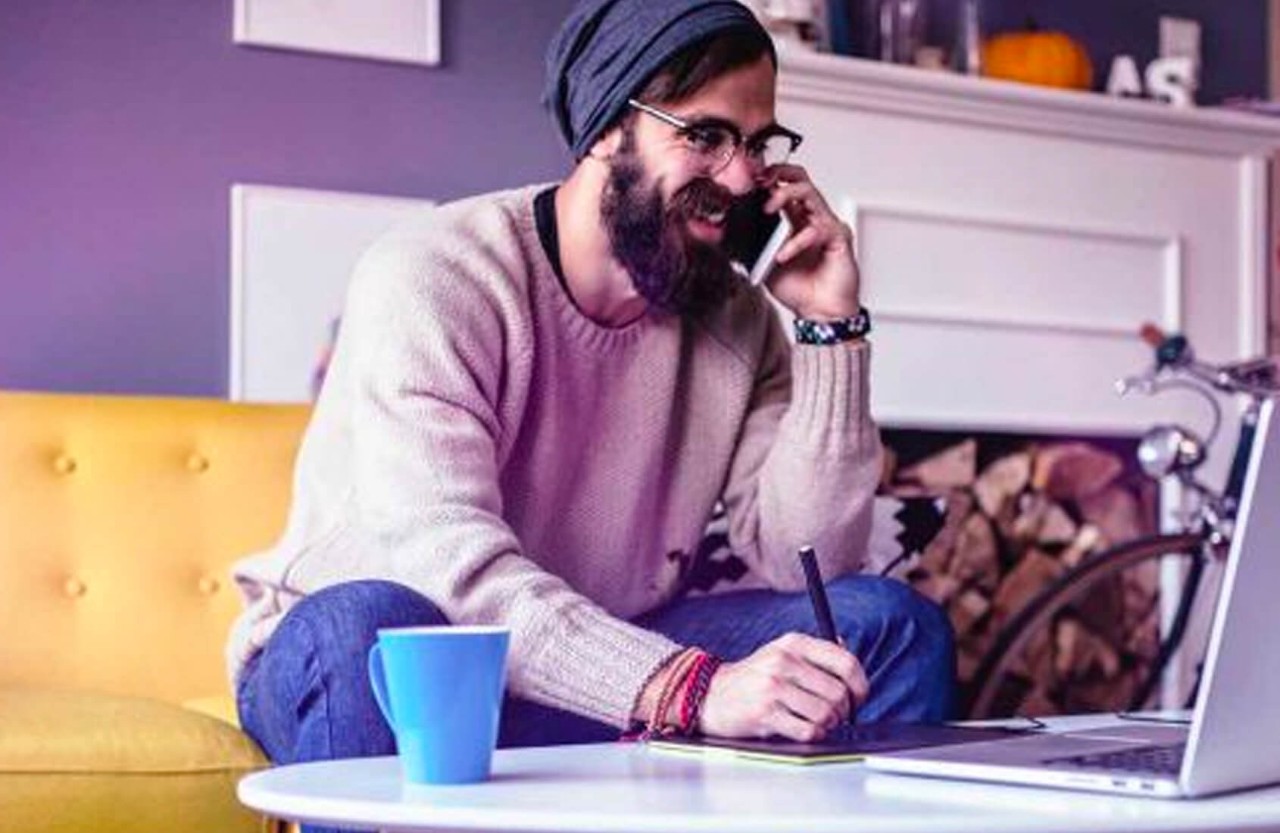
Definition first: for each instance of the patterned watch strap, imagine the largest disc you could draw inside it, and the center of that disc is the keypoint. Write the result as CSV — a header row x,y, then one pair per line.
x,y
833,332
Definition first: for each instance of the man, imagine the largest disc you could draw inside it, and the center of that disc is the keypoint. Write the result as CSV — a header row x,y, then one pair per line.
x,y
537,398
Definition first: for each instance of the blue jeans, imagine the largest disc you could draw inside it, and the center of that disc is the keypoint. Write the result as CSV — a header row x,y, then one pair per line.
x,y
307,697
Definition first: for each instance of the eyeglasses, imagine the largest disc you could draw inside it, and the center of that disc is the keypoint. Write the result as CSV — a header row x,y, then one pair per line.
x,y
717,141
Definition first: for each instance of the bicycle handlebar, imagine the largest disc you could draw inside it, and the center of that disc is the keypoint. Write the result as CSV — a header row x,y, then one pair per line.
x,y
1257,378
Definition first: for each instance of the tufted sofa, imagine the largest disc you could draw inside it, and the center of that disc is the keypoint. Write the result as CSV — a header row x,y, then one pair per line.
x,y
119,517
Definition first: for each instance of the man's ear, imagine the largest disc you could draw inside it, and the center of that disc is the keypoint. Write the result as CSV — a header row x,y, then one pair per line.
x,y
608,144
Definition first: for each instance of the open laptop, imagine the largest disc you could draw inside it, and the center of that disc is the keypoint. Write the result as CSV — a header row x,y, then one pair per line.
x,y
1232,740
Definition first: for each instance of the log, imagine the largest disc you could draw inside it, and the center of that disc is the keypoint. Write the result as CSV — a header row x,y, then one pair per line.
x,y
1002,481
1042,521
1099,694
976,558
937,553
1087,541
952,468
966,610
1073,471
940,587
1144,638
888,469
967,661
1078,651
1038,703
1033,571
1035,662
1140,591
1056,526
1116,513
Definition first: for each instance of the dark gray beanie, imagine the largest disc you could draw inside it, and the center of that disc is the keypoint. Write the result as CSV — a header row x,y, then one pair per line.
x,y
607,49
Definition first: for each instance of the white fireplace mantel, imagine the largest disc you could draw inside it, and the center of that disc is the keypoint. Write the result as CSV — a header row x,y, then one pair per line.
x,y
1013,238
944,96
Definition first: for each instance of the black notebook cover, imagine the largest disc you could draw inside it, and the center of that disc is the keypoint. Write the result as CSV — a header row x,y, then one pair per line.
x,y
849,743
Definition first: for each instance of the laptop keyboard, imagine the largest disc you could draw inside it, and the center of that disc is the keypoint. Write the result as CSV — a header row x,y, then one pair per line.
x,y
1161,760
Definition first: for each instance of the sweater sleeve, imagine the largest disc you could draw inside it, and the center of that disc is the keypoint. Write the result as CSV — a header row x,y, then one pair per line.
x,y
807,462
434,349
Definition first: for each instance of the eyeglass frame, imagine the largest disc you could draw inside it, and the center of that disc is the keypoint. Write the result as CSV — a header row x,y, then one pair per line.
x,y
685,127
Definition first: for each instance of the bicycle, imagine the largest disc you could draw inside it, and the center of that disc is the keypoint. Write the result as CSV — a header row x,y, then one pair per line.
x,y
1085,592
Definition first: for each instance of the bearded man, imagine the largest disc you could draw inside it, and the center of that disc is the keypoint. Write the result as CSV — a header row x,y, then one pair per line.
x,y
537,399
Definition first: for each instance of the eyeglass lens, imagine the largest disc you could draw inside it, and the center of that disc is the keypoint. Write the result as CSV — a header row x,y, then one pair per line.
x,y
719,144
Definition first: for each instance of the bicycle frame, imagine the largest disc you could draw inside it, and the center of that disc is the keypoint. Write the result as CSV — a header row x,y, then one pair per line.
x,y
1205,534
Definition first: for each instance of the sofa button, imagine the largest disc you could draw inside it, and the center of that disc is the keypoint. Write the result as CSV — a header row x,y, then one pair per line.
x,y
197,463
64,464
209,585
74,587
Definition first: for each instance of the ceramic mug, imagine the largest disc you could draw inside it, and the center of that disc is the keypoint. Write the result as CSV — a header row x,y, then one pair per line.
x,y
440,690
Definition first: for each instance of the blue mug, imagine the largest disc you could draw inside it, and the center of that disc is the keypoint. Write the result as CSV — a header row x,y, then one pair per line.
x,y
440,690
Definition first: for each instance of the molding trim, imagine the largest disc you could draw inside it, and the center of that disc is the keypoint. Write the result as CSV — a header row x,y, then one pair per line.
x,y
1172,313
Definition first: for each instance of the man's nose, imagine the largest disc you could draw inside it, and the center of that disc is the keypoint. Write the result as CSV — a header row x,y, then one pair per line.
x,y
741,176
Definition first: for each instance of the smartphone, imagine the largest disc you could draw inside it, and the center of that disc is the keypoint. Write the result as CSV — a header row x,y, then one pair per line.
x,y
753,236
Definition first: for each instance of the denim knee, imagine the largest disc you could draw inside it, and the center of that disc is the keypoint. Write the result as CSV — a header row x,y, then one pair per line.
x,y
905,633
306,696
891,604
346,617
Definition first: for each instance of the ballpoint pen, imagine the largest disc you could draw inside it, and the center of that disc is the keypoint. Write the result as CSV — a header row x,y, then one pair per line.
x,y
818,595
818,598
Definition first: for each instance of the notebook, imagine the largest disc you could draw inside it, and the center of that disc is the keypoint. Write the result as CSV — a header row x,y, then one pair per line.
x,y
1231,740
848,743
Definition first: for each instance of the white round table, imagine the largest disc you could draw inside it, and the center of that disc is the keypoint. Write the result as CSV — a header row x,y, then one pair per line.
x,y
627,788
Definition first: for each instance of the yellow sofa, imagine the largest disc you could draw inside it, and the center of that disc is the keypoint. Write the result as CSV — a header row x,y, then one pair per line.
x,y
119,517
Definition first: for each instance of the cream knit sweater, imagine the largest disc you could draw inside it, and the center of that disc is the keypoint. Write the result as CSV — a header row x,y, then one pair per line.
x,y
480,440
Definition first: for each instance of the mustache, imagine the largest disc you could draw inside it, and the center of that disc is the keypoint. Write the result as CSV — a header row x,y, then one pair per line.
x,y
702,197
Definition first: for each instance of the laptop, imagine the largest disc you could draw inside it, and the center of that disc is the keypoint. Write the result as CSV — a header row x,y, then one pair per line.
x,y
1232,739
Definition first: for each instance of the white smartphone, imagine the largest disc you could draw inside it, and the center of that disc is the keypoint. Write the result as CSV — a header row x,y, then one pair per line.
x,y
753,237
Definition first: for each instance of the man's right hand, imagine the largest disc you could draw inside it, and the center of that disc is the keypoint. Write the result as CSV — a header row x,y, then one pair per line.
x,y
796,687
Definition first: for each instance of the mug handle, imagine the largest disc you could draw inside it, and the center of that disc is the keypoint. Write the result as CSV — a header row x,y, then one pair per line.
x,y
378,680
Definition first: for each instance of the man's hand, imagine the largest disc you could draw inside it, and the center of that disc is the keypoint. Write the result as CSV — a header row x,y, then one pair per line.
x,y
816,275
797,686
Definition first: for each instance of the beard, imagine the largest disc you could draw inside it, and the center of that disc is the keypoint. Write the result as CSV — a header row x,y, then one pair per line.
x,y
672,270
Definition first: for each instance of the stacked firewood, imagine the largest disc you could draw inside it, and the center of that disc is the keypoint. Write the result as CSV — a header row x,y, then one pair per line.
x,y
1013,526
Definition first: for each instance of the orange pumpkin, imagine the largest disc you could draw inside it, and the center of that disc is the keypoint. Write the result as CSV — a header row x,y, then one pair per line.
x,y
1049,59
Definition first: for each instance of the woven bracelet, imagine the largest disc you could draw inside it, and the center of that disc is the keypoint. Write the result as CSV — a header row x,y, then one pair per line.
x,y
696,692
680,668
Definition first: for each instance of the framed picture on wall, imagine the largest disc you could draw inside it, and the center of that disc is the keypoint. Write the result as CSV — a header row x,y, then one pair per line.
x,y
406,31
292,254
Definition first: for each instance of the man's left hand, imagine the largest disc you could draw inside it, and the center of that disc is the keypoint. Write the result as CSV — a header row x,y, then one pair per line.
x,y
816,275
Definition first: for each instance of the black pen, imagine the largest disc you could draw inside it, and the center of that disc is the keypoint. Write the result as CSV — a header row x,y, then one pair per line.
x,y
818,598
818,595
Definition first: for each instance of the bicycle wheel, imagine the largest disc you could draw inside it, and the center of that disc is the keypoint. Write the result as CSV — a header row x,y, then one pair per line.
x,y
1090,640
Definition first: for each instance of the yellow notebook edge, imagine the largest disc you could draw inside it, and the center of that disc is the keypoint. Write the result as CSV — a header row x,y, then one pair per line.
x,y
754,755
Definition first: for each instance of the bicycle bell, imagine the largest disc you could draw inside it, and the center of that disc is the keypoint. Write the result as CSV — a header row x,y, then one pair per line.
x,y
1169,449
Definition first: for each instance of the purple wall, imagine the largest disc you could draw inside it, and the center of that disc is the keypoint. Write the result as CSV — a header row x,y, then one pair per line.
x,y
123,124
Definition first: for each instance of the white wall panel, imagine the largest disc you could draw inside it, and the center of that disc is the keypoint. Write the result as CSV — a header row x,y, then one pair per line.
x,y
924,265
